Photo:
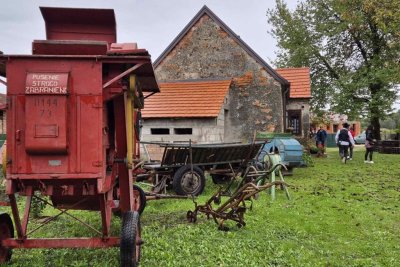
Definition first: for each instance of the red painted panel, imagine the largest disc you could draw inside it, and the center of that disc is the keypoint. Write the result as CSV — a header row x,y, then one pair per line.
x,y
80,24
90,133
76,131
46,124
50,47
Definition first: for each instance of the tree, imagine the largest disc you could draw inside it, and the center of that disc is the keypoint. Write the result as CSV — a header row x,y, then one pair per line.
x,y
352,48
393,121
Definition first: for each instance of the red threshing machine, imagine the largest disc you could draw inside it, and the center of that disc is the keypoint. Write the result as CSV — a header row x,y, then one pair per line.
x,y
73,108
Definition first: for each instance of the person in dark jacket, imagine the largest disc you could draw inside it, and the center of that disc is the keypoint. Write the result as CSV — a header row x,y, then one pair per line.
x,y
320,139
369,144
344,140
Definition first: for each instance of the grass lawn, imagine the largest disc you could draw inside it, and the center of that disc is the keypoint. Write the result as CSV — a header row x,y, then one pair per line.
x,y
339,215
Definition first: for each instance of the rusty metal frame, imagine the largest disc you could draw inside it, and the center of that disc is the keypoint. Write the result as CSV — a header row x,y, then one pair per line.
x,y
90,242
63,242
119,76
233,208
251,184
62,211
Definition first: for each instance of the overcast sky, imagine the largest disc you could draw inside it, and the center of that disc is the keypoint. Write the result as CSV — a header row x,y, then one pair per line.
x,y
153,24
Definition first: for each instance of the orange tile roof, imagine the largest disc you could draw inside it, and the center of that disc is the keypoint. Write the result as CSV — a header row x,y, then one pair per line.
x,y
299,78
187,99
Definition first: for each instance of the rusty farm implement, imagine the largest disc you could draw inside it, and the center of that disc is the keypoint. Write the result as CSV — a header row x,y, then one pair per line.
x,y
73,108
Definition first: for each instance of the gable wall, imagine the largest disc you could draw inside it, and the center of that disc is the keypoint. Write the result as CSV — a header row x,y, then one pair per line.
x,y
204,130
255,98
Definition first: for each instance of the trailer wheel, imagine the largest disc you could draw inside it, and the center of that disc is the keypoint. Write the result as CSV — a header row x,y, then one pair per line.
x,y
187,183
140,201
140,198
130,239
6,231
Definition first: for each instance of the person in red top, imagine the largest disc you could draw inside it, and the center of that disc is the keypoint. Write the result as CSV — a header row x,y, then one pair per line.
x,y
353,133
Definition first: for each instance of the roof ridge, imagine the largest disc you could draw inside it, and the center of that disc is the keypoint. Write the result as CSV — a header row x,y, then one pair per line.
x,y
230,32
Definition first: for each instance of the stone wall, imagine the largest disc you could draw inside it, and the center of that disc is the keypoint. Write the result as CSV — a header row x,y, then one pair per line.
x,y
206,52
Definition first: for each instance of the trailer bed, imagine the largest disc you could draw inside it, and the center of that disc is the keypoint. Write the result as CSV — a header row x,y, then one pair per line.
x,y
183,165
208,154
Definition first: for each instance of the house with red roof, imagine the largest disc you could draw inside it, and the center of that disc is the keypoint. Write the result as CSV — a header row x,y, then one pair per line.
x,y
215,88
186,110
298,99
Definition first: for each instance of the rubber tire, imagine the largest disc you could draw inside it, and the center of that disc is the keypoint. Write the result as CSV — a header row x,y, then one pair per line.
x,y
142,198
130,232
179,175
6,231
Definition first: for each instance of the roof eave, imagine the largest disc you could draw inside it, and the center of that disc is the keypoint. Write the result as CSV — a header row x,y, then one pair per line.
x,y
178,117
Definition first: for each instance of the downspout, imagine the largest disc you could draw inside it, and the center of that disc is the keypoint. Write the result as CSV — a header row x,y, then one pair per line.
x,y
286,90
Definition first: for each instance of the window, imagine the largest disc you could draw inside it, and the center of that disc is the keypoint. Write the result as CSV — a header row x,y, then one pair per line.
x,y
159,131
183,130
294,121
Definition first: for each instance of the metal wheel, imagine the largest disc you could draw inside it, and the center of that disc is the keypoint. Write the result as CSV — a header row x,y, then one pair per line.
x,y
139,198
130,239
267,162
191,216
6,231
186,182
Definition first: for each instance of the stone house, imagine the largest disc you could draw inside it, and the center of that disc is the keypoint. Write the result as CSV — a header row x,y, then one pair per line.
x,y
215,88
193,110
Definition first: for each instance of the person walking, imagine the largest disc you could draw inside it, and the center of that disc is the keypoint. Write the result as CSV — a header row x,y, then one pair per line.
x,y
369,144
320,139
353,133
344,140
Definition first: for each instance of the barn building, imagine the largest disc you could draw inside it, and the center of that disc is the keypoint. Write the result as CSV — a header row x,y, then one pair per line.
x,y
215,88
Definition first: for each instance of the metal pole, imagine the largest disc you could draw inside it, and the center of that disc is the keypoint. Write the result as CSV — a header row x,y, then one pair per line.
x,y
191,159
